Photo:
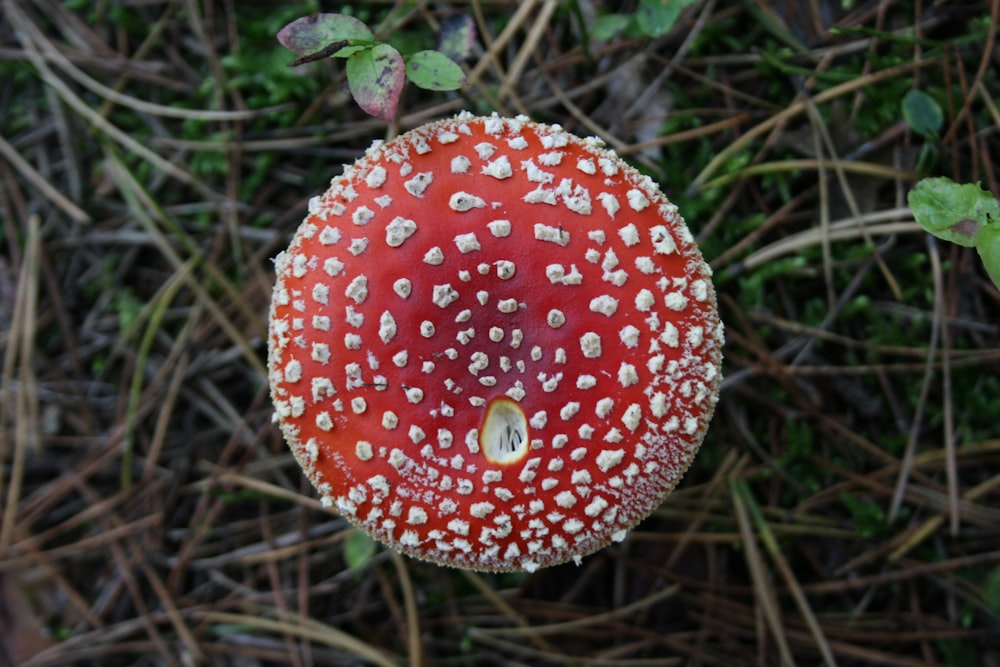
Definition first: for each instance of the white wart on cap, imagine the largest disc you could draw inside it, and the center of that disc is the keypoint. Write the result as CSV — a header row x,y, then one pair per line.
x,y
493,344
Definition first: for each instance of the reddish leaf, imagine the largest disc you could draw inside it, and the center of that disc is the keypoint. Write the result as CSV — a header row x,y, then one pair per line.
x,y
376,77
310,35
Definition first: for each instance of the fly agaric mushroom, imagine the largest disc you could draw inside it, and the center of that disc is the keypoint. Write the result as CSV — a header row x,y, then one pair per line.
x,y
493,344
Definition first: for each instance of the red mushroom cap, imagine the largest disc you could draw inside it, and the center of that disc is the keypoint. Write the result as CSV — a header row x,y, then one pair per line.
x,y
493,344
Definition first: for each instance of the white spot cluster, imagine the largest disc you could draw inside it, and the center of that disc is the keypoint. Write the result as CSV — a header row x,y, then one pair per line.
x,y
583,300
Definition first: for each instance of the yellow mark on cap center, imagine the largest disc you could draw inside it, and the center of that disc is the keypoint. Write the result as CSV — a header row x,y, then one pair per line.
x,y
504,436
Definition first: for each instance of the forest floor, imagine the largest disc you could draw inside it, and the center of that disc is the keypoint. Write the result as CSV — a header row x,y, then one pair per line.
x,y
155,156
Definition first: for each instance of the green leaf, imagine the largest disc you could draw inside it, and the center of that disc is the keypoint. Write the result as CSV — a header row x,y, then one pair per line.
x,y
358,548
922,113
311,35
951,211
657,17
458,34
432,70
988,247
607,26
376,77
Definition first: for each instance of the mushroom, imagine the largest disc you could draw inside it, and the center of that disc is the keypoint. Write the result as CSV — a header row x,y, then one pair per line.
x,y
493,344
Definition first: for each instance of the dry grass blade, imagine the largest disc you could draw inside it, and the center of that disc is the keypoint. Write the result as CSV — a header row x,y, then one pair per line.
x,y
743,496
233,624
66,94
137,199
763,591
929,527
18,389
537,656
491,57
839,231
587,621
157,306
783,166
509,612
795,109
52,54
25,169
413,641
528,48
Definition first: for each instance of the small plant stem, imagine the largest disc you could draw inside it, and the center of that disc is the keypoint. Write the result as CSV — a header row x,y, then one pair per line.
x,y
325,52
